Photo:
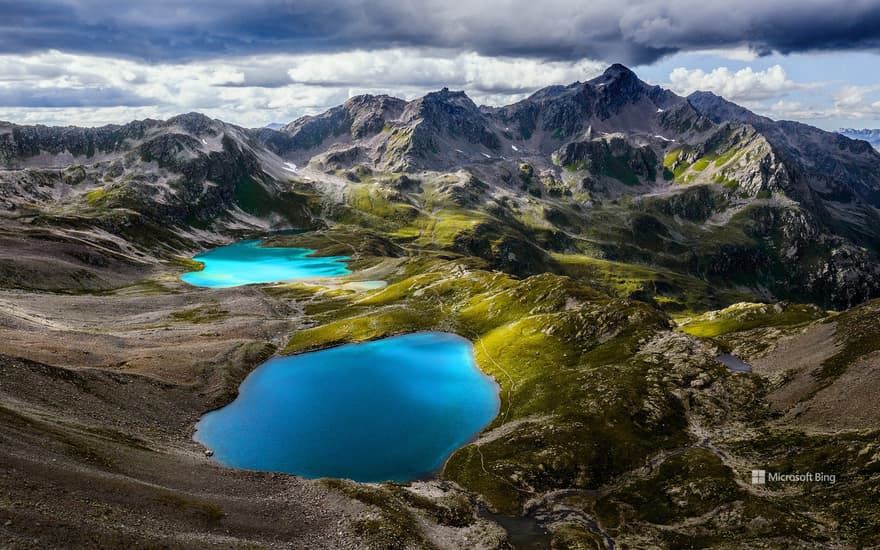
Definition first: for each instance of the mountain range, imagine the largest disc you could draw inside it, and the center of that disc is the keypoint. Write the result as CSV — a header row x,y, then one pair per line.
x,y
871,136
604,244
612,167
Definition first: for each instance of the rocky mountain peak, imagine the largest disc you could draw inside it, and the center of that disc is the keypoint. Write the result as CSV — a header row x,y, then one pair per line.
x,y
828,165
368,114
194,123
718,109
618,79
360,117
451,112
618,71
375,103
446,97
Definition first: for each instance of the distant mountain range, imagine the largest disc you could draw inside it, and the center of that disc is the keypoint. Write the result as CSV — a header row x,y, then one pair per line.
x,y
871,136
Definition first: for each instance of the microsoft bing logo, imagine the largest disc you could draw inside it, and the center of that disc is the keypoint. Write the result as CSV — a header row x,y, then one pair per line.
x,y
761,477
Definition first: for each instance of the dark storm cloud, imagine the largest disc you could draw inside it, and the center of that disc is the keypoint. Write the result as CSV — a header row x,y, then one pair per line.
x,y
632,32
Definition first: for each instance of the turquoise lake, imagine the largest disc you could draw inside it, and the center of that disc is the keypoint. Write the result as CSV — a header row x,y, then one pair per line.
x,y
247,262
387,410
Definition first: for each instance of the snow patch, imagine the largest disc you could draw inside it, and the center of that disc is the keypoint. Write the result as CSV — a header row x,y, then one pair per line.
x,y
487,156
290,167
659,110
514,147
664,138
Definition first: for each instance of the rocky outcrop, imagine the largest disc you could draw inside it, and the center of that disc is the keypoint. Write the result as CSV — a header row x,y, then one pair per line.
x,y
615,101
433,126
359,117
827,162
20,143
615,158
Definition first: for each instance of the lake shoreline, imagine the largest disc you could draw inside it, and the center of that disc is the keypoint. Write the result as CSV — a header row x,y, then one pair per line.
x,y
441,374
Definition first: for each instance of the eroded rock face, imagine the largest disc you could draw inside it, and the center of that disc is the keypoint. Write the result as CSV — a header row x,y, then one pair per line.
x,y
613,157
359,117
824,160
437,121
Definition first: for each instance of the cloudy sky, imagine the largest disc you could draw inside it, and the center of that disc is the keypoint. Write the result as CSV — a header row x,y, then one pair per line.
x,y
91,62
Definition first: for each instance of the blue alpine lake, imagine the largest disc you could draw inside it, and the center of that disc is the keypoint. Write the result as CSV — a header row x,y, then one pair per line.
x,y
387,410
247,262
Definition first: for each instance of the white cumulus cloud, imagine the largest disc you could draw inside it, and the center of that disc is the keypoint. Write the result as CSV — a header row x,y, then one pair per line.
x,y
743,85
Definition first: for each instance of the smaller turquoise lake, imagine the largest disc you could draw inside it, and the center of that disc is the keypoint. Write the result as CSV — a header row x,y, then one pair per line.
x,y
387,410
247,262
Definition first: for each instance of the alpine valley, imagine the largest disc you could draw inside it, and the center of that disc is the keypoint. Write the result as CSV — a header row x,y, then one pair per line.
x,y
601,244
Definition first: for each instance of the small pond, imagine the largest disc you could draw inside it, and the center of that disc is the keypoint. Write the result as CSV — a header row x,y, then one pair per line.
x,y
734,363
